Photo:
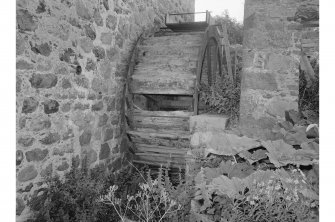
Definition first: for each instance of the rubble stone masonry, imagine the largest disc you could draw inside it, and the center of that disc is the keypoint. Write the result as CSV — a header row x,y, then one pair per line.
x,y
71,67
273,36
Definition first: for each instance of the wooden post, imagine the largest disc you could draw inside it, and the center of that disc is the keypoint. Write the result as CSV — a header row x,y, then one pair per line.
x,y
209,65
201,56
215,63
166,18
227,52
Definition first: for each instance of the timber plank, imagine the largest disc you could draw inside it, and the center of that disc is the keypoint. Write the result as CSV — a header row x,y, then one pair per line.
x,y
161,123
175,114
162,83
183,39
159,164
167,156
145,148
169,50
161,159
168,60
171,33
160,139
162,131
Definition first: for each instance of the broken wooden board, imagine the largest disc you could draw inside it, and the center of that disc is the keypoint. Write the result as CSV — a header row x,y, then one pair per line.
x,y
162,83
176,140
160,163
146,148
166,65
176,114
158,160
177,39
167,32
161,123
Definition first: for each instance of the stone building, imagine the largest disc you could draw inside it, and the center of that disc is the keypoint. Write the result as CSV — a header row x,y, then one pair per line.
x,y
71,75
72,62
275,35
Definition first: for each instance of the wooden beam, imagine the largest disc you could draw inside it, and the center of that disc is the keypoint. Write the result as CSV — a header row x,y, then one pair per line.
x,y
161,159
209,65
159,164
163,155
145,148
215,63
227,51
201,56
163,83
210,33
172,139
175,114
160,123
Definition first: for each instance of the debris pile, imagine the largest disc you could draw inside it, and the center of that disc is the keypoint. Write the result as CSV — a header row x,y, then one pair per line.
x,y
232,167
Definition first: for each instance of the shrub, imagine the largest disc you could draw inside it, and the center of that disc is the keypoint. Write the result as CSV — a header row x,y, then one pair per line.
x,y
223,97
309,96
155,200
280,195
76,196
234,28
150,203
70,199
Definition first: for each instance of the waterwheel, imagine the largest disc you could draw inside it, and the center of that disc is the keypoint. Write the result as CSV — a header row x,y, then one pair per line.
x,y
165,84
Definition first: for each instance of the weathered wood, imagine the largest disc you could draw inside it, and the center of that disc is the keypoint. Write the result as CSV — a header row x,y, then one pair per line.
x,y
162,83
160,139
215,63
183,40
201,56
176,114
179,104
227,51
170,33
211,33
161,123
166,65
159,164
162,131
164,155
129,98
170,50
209,64
161,159
144,148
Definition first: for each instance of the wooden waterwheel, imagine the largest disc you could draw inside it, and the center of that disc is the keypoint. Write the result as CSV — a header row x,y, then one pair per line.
x,y
165,84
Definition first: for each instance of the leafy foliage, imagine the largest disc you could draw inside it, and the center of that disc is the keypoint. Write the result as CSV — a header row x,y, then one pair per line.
x,y
309,96
70,199
234,28
223,96
272,182
155,200
74,198
150,203
263,196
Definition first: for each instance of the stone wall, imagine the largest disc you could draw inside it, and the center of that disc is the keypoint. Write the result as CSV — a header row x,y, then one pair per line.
x,y
72,60
273,34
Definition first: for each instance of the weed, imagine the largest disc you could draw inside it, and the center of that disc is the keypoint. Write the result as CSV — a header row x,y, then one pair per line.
x,y
223,97
156,200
